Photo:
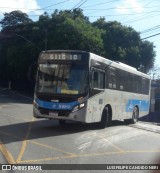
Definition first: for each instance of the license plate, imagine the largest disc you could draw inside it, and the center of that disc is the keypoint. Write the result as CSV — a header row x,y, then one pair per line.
x,y
53,114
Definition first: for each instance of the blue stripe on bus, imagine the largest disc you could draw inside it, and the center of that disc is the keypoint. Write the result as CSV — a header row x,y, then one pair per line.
x,y
56,105
142,104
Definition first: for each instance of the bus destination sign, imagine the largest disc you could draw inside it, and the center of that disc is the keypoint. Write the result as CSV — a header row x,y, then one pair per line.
x,y
60,56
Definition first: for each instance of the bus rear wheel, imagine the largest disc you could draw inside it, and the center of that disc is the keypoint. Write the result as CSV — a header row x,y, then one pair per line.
x,y
135,115
106,118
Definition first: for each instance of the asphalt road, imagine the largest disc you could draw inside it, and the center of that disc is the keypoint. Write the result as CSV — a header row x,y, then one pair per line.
x,y
26,140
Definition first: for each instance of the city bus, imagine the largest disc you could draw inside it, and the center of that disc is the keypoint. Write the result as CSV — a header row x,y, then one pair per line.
x,y
84,87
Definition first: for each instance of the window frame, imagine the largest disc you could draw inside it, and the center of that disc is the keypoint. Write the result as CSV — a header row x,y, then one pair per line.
x,y
100,71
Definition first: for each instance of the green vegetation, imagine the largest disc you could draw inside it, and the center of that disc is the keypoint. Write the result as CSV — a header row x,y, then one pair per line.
x,y
22,39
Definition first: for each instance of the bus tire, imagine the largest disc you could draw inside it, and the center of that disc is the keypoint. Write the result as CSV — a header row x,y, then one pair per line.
x,y
106,118
135,115
62,122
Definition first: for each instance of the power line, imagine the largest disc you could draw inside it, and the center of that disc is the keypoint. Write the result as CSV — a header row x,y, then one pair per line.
x,y
50,6
114,15
125,14
101,9
146,17
151,36
79,4
82,4
100,4
113,8
150,29
34,9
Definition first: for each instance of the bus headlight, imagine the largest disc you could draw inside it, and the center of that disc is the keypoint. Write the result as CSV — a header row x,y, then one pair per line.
x,y
35,104
76,108
81,105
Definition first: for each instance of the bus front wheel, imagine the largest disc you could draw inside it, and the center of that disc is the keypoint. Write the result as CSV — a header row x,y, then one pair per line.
x,y
106,118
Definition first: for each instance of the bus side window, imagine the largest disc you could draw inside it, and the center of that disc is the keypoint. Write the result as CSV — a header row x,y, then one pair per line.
x,y
95,79
145,84
112,78
98,79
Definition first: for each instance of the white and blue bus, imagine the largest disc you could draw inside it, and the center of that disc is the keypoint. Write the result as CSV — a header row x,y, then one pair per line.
x,y
84,87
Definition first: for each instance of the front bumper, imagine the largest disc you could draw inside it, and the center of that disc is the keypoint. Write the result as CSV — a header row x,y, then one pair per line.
x,y
79,115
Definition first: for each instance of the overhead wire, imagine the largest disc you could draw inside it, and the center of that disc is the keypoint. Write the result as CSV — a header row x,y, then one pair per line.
x,y
150,29
79,4
50,6
82,4
33,10
76,4
150,36
100,4
141,17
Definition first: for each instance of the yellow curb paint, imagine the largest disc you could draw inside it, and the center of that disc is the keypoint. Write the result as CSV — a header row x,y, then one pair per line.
x,y
7,154
24,143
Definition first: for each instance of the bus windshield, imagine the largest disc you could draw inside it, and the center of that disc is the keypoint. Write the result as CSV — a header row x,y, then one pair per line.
x,y
62,78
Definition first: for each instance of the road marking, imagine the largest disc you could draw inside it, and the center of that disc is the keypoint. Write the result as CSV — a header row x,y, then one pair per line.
x,y
38,160
37,143
54,148
9,134
7,154
10,158
110,143
90,155
24,143
71,155
47,159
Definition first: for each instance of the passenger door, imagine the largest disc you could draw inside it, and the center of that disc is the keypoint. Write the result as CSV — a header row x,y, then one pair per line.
x,y
97,87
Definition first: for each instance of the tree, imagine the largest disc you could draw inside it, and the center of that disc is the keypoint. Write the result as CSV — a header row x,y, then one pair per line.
x,y
14,18
22,40
122,43
71,30
18,49
147,55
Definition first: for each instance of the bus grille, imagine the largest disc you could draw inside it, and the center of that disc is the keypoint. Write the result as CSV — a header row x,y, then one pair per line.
x,y
60,113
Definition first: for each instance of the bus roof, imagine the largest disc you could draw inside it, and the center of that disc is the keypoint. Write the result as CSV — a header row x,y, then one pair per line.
x,y
119,65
